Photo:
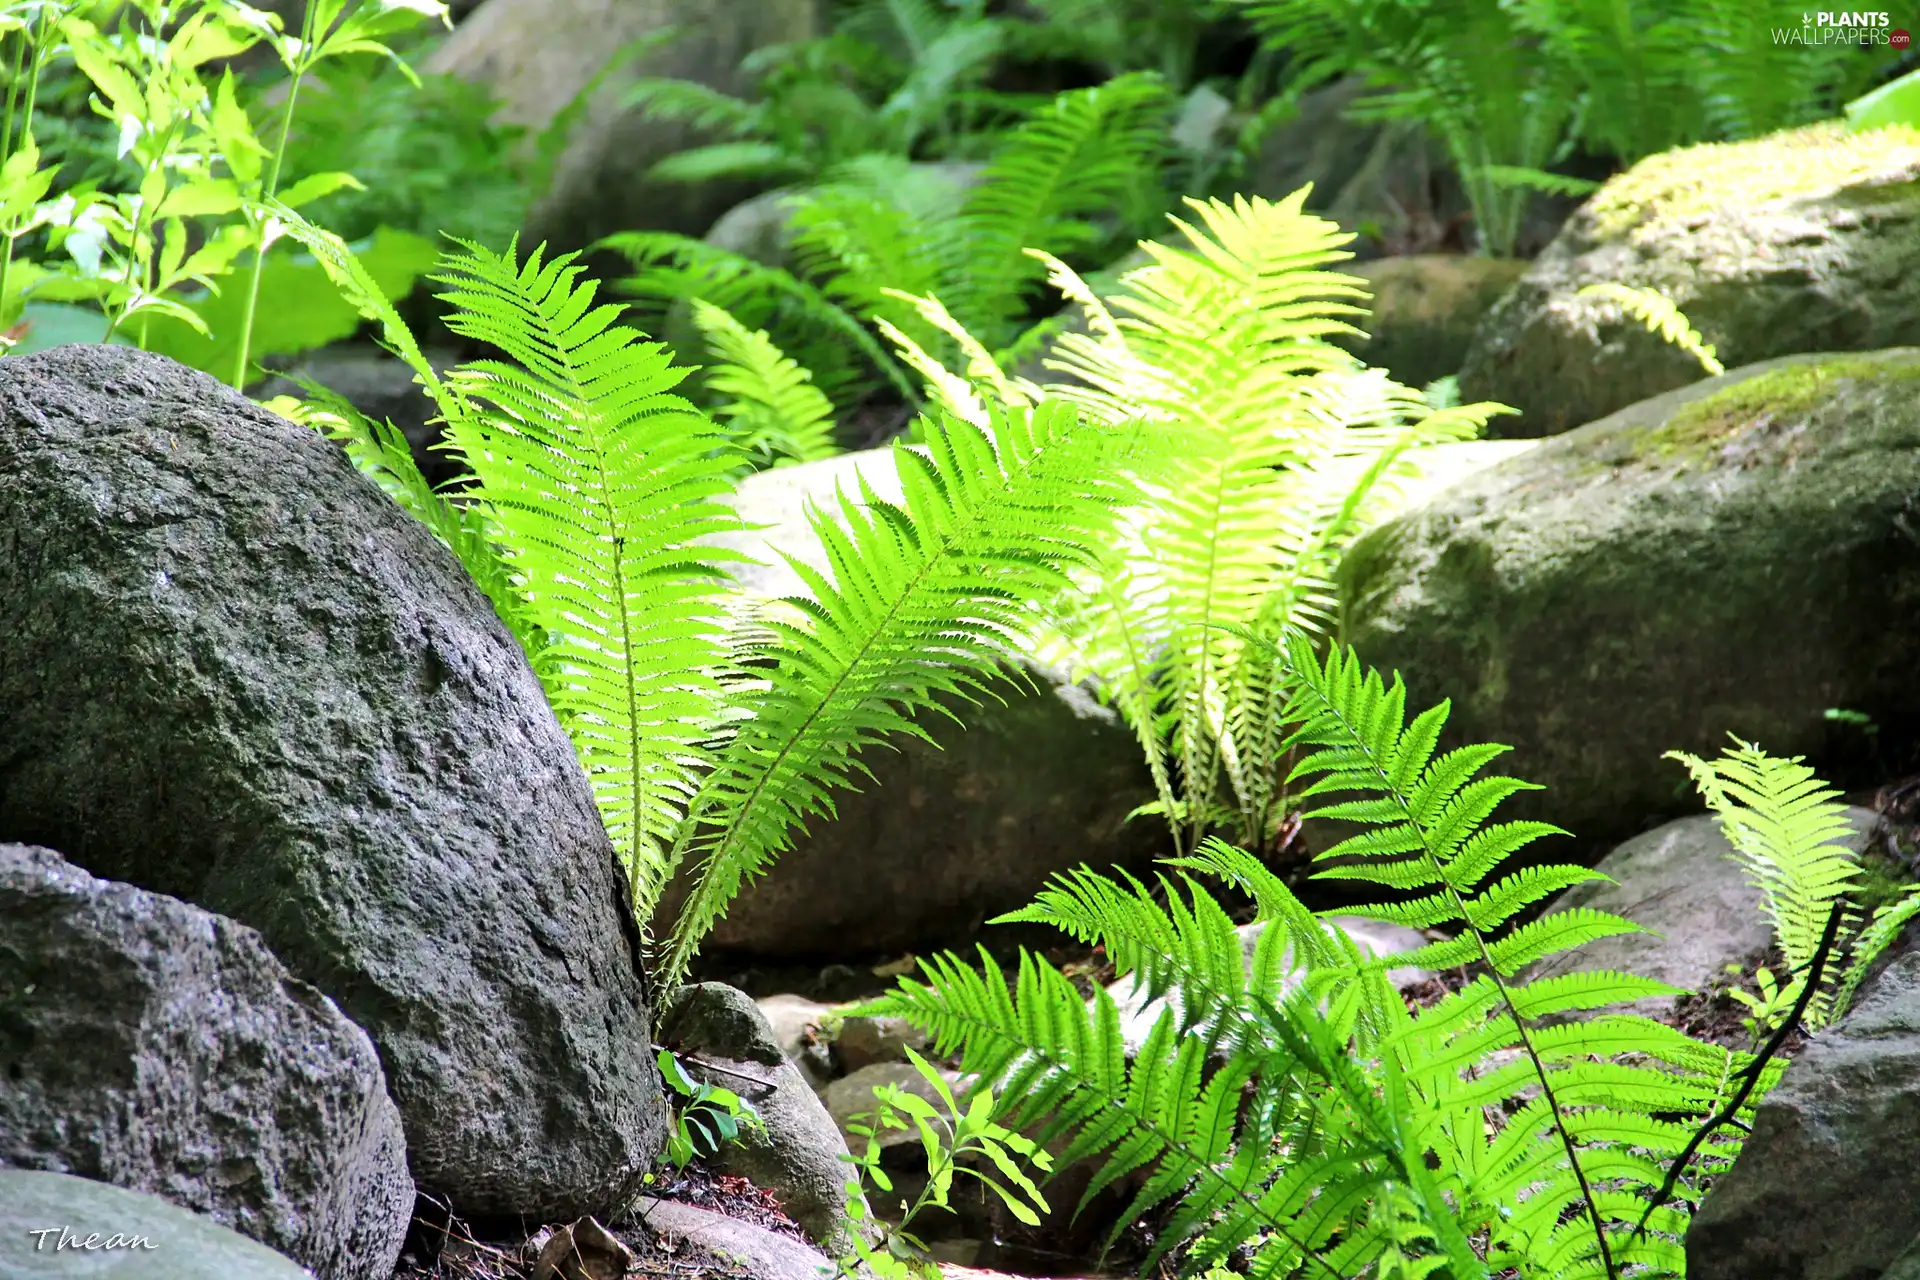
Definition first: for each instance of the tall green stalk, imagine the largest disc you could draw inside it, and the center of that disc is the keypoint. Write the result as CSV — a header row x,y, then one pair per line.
x,y
296,73
28,41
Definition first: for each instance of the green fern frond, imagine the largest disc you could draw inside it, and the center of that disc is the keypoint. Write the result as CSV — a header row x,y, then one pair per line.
x,y
1659,314
723,161
1788,831
1069,162
602,484
776,412
919,602
689,102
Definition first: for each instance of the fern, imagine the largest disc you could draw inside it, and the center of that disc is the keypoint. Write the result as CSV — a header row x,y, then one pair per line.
x,y
1282,449
918,603
776,412
602,483
1336,1131
1661,317
1788,831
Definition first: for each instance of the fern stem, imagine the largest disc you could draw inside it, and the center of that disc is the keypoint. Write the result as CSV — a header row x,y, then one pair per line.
x,y
1362,744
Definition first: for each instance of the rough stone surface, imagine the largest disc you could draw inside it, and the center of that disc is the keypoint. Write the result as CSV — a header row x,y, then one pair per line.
x,y
167,1242
864,1041
1681,883
162,1048
765,1254
1425,309
940,840
536,56
1728,557
1824,1187
1807,240
237,674
799,1154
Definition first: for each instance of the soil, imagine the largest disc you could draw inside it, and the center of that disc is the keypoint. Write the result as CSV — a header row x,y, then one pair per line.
x,y
452,1249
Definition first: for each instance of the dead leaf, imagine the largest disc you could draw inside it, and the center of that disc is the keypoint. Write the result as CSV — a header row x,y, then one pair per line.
x,y
583,1250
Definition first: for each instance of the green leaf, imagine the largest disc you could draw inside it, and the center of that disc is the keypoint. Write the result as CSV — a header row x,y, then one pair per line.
x,y
300,307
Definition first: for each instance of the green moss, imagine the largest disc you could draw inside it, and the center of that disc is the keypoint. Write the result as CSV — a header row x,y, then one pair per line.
x,y
1812,161
1783,392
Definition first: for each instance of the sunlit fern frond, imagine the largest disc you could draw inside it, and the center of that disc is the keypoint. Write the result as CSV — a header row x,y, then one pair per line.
x,y
918,603
1661,317
1788,830
775,411
601,483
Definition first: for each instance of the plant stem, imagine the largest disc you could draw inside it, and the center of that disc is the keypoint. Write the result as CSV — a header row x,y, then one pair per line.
x,y
296,73
26,124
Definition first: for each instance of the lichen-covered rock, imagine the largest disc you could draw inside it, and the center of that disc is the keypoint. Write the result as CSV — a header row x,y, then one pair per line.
x,y
234,672
1425,308
134,1236
1807,240
538,56
1824,1187
1729,557
797,1153
939,839
150,1044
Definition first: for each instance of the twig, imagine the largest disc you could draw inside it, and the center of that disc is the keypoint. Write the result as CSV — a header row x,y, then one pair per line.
x,y
1749,1075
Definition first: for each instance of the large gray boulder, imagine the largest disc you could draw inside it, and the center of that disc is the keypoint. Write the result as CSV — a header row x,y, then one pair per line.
x,y
1681,884
1724,558
1824,1187
1799,241
537,56
162,1048
237,674
1038,782
111,1233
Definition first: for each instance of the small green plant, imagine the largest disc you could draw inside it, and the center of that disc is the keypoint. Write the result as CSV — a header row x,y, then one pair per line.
x,y
769,402
1512,86
707,1118
1789,831
151,245
955,1143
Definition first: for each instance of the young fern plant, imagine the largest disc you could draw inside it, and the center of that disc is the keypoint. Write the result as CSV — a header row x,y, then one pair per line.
x,y
1788,831
859,243
1266,449
1291,1106
599,486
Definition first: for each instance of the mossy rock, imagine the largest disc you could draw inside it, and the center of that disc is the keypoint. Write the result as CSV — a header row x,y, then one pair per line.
x,y
1735,556
1802,241
1425,309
